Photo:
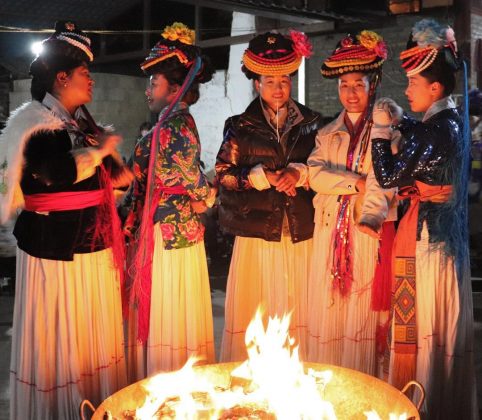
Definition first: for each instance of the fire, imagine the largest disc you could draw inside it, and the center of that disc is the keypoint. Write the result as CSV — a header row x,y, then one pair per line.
x,y
271,384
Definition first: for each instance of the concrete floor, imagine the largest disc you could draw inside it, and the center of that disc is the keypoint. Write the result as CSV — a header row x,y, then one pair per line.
x,y
6,311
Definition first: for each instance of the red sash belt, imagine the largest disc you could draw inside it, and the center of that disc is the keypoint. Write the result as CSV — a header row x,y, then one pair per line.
x,y
404,281
62,201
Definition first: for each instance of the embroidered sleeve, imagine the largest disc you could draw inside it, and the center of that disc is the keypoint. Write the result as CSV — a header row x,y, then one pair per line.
x,y
230,173
181,157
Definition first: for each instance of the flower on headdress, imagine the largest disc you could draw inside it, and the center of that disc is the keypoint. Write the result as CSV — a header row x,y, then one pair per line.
x,y
427,33
179,32
301,44
369,39
381,50
450,39
347,42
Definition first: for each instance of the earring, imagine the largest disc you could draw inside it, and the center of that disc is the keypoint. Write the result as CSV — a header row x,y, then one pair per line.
x,y
65,84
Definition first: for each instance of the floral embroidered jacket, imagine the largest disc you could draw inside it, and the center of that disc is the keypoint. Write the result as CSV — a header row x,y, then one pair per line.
x,y
178,165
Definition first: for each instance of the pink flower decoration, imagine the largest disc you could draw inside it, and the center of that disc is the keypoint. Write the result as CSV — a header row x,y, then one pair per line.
x,y
381,50
301,44
346,42
167,231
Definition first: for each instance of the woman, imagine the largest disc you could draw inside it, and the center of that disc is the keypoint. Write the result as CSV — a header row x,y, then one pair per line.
x,y
349,300
432,331
170,277
67,342
265,200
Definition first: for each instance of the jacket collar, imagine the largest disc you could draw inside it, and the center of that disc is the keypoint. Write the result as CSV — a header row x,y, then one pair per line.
x,y
440,105
254,113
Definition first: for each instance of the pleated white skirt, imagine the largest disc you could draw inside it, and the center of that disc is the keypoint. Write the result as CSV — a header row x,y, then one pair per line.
x,y
67,342
342,329
273,275
444,317
181,320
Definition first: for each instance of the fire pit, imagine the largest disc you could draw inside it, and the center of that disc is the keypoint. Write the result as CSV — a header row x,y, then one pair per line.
x,y
271,384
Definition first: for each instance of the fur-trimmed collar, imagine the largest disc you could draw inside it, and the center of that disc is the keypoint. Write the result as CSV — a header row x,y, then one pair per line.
x,y
27,120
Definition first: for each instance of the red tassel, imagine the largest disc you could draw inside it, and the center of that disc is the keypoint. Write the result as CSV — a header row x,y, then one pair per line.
x,y
382,282
108,229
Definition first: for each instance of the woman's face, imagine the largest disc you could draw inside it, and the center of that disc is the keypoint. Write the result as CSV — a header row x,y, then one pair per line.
x,y
159,93
421,93
78,86
353,91
274,90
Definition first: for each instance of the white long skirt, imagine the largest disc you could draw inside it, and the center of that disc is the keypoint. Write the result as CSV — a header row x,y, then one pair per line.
x,y
272,275
444,317
342,329
67,342
181,320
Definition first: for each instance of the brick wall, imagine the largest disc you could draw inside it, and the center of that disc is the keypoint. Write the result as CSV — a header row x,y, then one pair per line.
x,y
476,33
322,93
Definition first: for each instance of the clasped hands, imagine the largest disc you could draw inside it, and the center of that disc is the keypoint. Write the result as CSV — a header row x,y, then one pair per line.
x,y
284,180
386,113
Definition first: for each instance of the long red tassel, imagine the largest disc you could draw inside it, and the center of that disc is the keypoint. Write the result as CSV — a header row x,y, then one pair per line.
x,y
382,282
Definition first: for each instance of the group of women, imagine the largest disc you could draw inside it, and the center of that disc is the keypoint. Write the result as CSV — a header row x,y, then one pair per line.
x,y
312,209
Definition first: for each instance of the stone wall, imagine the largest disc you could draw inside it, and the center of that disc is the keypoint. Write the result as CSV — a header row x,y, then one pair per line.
x,y
118,100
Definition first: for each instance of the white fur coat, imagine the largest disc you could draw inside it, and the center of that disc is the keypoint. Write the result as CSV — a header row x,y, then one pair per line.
x,y
25,121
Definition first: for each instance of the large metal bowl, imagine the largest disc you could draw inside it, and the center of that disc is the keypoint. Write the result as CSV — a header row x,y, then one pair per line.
x,y
351,393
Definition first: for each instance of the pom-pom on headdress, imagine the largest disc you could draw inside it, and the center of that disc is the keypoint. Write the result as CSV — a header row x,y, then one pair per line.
x,y
427,41
274,54
365,52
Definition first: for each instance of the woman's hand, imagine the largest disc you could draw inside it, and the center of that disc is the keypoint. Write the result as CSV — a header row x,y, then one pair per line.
x,y
108,144
272,177
368,229
288,179
360,184
387,112
199,206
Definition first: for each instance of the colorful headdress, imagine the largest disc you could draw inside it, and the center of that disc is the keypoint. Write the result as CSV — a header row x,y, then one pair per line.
x,y
177,43
67,31
365,52
427,41
273,54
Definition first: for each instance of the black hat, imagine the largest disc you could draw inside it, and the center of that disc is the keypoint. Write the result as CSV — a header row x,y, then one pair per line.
x,y
68,32
274,54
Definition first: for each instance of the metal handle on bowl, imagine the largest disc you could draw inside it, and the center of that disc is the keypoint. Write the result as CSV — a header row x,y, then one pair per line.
x,y
83,404
420,388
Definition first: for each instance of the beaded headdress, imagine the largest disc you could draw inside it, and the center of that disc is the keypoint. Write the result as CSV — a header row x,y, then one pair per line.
x,y
177,42
274,54
427,41
364,53
67,31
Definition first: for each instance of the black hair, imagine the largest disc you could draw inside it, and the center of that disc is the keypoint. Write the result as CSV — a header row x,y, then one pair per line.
x,y
146,125
443,72
57,56
175,74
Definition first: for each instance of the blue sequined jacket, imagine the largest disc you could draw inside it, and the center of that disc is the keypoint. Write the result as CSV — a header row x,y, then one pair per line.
x,y
430,153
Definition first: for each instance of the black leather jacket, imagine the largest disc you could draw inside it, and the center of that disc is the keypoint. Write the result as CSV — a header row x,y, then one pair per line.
x,y
250,140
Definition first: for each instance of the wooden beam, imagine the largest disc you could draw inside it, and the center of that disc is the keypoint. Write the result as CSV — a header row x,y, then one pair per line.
x,y
280,14
314,28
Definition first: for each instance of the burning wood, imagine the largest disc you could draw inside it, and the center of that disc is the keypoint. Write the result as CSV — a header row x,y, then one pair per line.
x,y
271,384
